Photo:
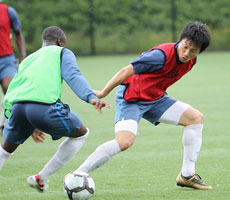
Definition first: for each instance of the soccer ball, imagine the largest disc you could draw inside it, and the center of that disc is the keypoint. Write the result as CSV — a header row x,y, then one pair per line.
x,y
78,186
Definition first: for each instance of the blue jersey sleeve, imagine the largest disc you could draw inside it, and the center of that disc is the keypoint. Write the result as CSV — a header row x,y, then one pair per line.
x,y
14,20
149,61
74,78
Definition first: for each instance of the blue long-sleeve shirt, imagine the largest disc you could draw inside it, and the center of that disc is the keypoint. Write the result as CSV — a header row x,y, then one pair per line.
x,y
74,78
14,20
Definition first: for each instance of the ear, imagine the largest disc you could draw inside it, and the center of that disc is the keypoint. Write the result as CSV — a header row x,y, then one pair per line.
x,y
59,43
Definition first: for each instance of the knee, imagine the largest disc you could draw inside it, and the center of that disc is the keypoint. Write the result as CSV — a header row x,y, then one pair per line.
x,y
198,118
126,141
79,132
125,144
84,131
191,116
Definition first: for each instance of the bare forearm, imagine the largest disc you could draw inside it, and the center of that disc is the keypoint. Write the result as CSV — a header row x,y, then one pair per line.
x,y
19,39
117,79
114,82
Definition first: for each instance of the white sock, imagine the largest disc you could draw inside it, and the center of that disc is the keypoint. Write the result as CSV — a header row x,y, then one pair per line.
x,y
100,156
4,155
67,149
192,140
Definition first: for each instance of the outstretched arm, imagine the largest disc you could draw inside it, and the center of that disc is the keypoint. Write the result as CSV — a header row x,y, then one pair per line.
x,y
75,79
116,80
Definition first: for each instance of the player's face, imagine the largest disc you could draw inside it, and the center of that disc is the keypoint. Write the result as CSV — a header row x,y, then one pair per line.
x,y
187,50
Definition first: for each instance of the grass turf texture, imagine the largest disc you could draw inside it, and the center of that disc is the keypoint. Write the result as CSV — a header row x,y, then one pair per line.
x,y
148,170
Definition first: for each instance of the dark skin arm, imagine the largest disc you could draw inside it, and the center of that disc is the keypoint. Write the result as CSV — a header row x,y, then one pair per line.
x,y
19,39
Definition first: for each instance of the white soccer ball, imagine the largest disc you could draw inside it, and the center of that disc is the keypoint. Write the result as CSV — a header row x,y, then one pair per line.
x,y
78,186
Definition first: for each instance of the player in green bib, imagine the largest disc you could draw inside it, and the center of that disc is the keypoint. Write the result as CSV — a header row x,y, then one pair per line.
x,y
36,81
33,105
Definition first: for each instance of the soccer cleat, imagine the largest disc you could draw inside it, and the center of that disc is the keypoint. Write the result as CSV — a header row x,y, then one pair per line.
x,y
35,182
193,181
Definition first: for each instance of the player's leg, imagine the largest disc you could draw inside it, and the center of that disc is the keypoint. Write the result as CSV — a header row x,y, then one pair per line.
x,y
16,131
6,149
125,131
192,120
65,152
5,83
8,68
60,122
183,114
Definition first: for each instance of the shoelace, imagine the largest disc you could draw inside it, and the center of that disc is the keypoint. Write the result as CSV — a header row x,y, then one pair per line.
x,y
198,176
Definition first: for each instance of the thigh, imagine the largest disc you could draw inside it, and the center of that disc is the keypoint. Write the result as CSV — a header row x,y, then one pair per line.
x,y
173,114
126,125
56,119
17,128
8,67
159,107
127,111
191,116
5,83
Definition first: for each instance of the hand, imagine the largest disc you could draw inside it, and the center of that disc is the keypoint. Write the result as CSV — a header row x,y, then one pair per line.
x,y
99,94
38,136
99,104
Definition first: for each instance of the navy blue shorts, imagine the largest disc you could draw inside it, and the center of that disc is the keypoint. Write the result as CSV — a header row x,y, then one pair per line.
x,y
55,119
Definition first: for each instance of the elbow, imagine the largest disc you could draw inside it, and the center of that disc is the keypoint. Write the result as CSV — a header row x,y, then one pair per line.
x,y
126,72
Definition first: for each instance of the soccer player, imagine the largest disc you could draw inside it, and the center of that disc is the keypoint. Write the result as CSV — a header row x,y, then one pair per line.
x,y
33,103
8,68
142,94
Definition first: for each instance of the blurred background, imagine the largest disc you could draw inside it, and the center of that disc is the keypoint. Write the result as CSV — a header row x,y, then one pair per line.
x,y
121,26
117,31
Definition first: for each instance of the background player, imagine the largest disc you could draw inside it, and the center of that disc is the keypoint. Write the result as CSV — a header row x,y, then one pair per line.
x,y
142,94
9,21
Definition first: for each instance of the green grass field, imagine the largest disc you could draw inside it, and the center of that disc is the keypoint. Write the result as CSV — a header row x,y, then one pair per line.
x,y
148,170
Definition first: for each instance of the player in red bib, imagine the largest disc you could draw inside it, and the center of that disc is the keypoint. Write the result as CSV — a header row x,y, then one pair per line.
x,y
142,94
8,68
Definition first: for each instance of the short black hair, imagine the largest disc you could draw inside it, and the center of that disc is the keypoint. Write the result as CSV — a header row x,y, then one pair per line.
x,y
53,33
198,33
